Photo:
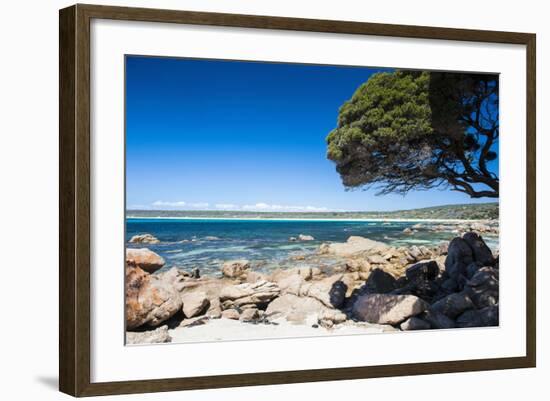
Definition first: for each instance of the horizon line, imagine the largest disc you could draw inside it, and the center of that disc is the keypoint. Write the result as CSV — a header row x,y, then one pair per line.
x,y
312,212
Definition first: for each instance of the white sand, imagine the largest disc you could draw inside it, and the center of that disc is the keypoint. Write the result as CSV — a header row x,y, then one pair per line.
x,y
234,330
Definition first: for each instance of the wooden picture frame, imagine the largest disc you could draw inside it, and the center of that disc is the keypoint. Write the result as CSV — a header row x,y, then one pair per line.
x,y
74,203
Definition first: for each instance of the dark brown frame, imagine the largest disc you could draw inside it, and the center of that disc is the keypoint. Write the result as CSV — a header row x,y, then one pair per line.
x,y
74,199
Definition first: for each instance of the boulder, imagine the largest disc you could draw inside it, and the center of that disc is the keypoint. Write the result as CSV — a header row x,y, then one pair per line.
x,y
453,305
214,311
459,256
472,269
291,284
295,309
156,336
194,304
414,323
144,259
376,259
378,282
235,268
195,321
438,320
305,272
303,237
358,265
149,299
252,276
175,277
483,287
256,294
144,239
443,248
355,245
484,317
387,308
249,315
232,314
449,285
408,231
423,271
481,251
331,291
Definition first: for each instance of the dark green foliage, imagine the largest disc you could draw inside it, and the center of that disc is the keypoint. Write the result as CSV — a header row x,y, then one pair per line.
x,y
419,130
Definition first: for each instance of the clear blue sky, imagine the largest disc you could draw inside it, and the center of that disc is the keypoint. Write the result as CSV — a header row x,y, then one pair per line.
x,y
243,136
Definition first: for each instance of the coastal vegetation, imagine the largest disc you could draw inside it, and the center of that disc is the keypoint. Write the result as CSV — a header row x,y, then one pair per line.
x,y
480,211
410,130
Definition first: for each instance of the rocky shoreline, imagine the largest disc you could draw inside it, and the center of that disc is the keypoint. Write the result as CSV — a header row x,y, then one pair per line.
x,y
376,288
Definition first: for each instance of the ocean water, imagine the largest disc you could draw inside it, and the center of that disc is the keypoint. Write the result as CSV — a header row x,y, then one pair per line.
x,y
207,243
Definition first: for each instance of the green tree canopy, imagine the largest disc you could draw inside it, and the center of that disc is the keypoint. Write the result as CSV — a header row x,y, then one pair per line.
x,y
419,130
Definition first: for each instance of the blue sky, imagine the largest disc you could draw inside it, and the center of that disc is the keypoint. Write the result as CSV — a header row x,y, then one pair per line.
x,y
230,135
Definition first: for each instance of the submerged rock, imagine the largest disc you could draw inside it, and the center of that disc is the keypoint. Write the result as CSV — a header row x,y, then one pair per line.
x,y
235,268
144,239
144,259
353,246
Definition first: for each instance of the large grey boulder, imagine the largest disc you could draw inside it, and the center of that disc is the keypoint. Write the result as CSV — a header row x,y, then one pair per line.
x,y
144,258
387,308
149,299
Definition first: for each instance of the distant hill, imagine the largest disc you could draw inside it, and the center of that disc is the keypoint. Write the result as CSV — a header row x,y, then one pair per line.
x,y
480,211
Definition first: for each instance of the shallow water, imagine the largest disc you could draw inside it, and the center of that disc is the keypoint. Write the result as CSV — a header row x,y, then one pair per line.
x,y
207,243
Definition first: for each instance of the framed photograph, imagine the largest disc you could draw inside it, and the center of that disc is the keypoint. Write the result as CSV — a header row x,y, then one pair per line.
x,y
250,200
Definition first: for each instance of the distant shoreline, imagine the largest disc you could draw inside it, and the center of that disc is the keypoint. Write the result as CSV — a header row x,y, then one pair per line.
x,y
374,219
